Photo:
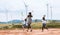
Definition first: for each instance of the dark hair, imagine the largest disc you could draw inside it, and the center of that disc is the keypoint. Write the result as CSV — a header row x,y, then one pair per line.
x,y
30,15
25,19
29,12
43,18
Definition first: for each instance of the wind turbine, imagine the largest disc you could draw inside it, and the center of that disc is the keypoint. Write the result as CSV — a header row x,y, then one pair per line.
x,y
22,15
47,11
51,12
26,7
6,14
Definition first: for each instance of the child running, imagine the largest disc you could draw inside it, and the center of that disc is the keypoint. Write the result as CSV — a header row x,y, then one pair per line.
x,y
29,21
24,24
44,23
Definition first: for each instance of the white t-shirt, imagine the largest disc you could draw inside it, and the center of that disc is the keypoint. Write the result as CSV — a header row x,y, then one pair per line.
x,y
29,20
44,21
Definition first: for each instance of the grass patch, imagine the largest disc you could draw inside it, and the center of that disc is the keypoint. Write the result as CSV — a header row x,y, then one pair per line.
x,y
35,25
53,25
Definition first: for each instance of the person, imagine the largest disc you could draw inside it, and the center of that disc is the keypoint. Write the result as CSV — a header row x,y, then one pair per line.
x,y
44,23
24,24
29,21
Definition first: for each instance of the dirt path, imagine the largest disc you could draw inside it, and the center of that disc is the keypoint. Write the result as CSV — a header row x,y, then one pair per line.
x,y
34,32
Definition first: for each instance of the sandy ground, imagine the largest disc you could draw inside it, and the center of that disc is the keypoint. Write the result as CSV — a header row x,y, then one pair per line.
x,y
34,32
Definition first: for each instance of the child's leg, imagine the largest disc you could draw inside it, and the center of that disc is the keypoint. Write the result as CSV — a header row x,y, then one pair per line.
x,y
46,27
42,29
23,28
43,26
31,29
27,27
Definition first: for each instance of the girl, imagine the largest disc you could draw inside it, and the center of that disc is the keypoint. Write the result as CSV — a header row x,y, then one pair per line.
x,y
44,23
29,21
24,24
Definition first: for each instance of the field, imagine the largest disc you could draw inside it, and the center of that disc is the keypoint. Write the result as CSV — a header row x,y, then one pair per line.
x,y
35,25
52,31
16,29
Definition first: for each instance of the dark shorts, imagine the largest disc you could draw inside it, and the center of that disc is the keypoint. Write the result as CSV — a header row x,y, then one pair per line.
x,y
44,25
29,26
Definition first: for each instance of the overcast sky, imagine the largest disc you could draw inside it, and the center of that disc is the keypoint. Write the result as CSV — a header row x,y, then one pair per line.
x,y
15,9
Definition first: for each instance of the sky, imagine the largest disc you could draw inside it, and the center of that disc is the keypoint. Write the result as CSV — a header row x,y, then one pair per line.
x,y
15,9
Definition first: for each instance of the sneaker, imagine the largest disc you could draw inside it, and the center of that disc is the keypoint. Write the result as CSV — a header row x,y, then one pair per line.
x,y
30,30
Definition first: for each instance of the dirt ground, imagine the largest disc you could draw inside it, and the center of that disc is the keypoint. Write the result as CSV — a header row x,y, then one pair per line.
x,y
34,32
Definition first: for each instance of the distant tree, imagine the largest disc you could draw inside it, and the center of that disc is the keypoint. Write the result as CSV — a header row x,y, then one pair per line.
x,y
53,21
35,20
13,24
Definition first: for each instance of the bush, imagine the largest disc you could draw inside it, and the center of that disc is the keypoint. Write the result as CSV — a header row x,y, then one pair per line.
x,y
53,25
5,27
17,26
36,25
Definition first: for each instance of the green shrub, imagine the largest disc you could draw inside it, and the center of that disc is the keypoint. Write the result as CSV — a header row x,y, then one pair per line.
x,y
53,25
36,25
17,26
5,27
